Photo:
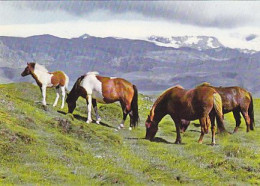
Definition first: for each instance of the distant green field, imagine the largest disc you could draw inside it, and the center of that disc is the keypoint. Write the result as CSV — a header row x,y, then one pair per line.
x,y
50,147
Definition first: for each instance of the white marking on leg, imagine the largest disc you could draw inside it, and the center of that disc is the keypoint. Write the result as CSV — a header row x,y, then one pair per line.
x,y
121,125
89,109
44,95
63,93
57,97
98,119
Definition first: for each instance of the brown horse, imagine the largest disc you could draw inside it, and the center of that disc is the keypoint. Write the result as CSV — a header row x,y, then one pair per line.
x,y
198,103
94,88
44,79
236,100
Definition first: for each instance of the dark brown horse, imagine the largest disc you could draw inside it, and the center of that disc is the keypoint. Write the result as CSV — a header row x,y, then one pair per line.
x,y
198,103
236,100
95,88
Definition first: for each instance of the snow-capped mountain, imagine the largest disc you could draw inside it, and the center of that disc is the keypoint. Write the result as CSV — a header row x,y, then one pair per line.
x,y
84,36
197,42
149,66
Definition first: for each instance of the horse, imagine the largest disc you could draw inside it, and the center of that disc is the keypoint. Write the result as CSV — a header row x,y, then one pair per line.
x,y
234,99
45,79
95,88
198,103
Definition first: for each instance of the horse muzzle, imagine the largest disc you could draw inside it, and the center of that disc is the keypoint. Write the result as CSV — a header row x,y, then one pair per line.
x,y
23,74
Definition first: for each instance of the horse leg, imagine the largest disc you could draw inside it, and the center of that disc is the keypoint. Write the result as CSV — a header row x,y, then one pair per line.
x,y
121,125
236,114
57,96
130,112
177,123
203,124
178,131
44,95
98,119
247,119
125,112
210,121
89,120
63,94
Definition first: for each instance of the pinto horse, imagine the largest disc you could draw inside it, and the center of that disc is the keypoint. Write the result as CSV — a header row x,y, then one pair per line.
x,y
44,79
236,100
199,103
95,88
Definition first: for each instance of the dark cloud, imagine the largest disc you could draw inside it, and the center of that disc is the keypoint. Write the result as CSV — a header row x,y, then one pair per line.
x,y
251,37
209,14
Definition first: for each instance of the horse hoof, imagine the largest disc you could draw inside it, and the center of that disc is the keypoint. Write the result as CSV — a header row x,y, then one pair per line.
x,y
121,126
45,107
98,120
88,121
130,128
200,142
213,144
177,142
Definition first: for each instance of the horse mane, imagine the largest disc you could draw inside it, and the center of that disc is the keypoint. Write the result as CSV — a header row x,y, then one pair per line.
x,y
92,73
204,84
77,83
161,97
40,67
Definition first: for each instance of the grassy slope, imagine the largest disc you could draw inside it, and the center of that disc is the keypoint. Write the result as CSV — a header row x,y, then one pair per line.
x,y
50,147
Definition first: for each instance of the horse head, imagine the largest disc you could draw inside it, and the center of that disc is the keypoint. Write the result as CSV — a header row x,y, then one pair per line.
x,y
71,103
151,128
28,70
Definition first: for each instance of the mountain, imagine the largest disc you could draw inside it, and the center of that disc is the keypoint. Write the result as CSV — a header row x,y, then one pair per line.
x,y
196,42
147,64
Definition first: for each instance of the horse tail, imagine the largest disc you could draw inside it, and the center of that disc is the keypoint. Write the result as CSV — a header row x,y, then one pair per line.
x,y
134,108
251,113
217,102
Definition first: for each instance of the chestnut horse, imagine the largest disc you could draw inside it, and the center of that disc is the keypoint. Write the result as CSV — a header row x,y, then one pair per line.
x,y
95,88
236,100
44,79
198,103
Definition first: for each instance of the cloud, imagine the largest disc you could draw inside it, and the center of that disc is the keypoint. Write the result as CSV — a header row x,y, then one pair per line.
x,y
251,37
219,14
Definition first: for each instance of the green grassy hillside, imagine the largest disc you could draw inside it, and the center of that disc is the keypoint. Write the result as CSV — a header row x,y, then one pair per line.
x,y
51,147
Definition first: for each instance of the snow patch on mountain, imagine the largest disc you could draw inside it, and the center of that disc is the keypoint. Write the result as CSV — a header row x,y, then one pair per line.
x,y
84,36
197,42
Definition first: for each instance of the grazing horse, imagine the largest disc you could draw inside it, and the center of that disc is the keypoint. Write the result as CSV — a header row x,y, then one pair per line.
x,y
199,103
236,100
95,88
44,79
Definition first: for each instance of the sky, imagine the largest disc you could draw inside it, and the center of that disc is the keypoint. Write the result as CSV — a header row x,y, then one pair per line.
x,y
236,23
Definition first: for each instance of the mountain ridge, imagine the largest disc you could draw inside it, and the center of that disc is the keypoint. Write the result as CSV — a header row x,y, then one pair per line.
x,y
149,66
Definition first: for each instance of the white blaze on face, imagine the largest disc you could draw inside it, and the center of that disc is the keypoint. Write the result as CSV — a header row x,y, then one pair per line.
x,y
93,86
113,77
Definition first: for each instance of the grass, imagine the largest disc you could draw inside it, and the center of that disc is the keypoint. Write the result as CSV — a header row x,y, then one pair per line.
x,y
52,147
